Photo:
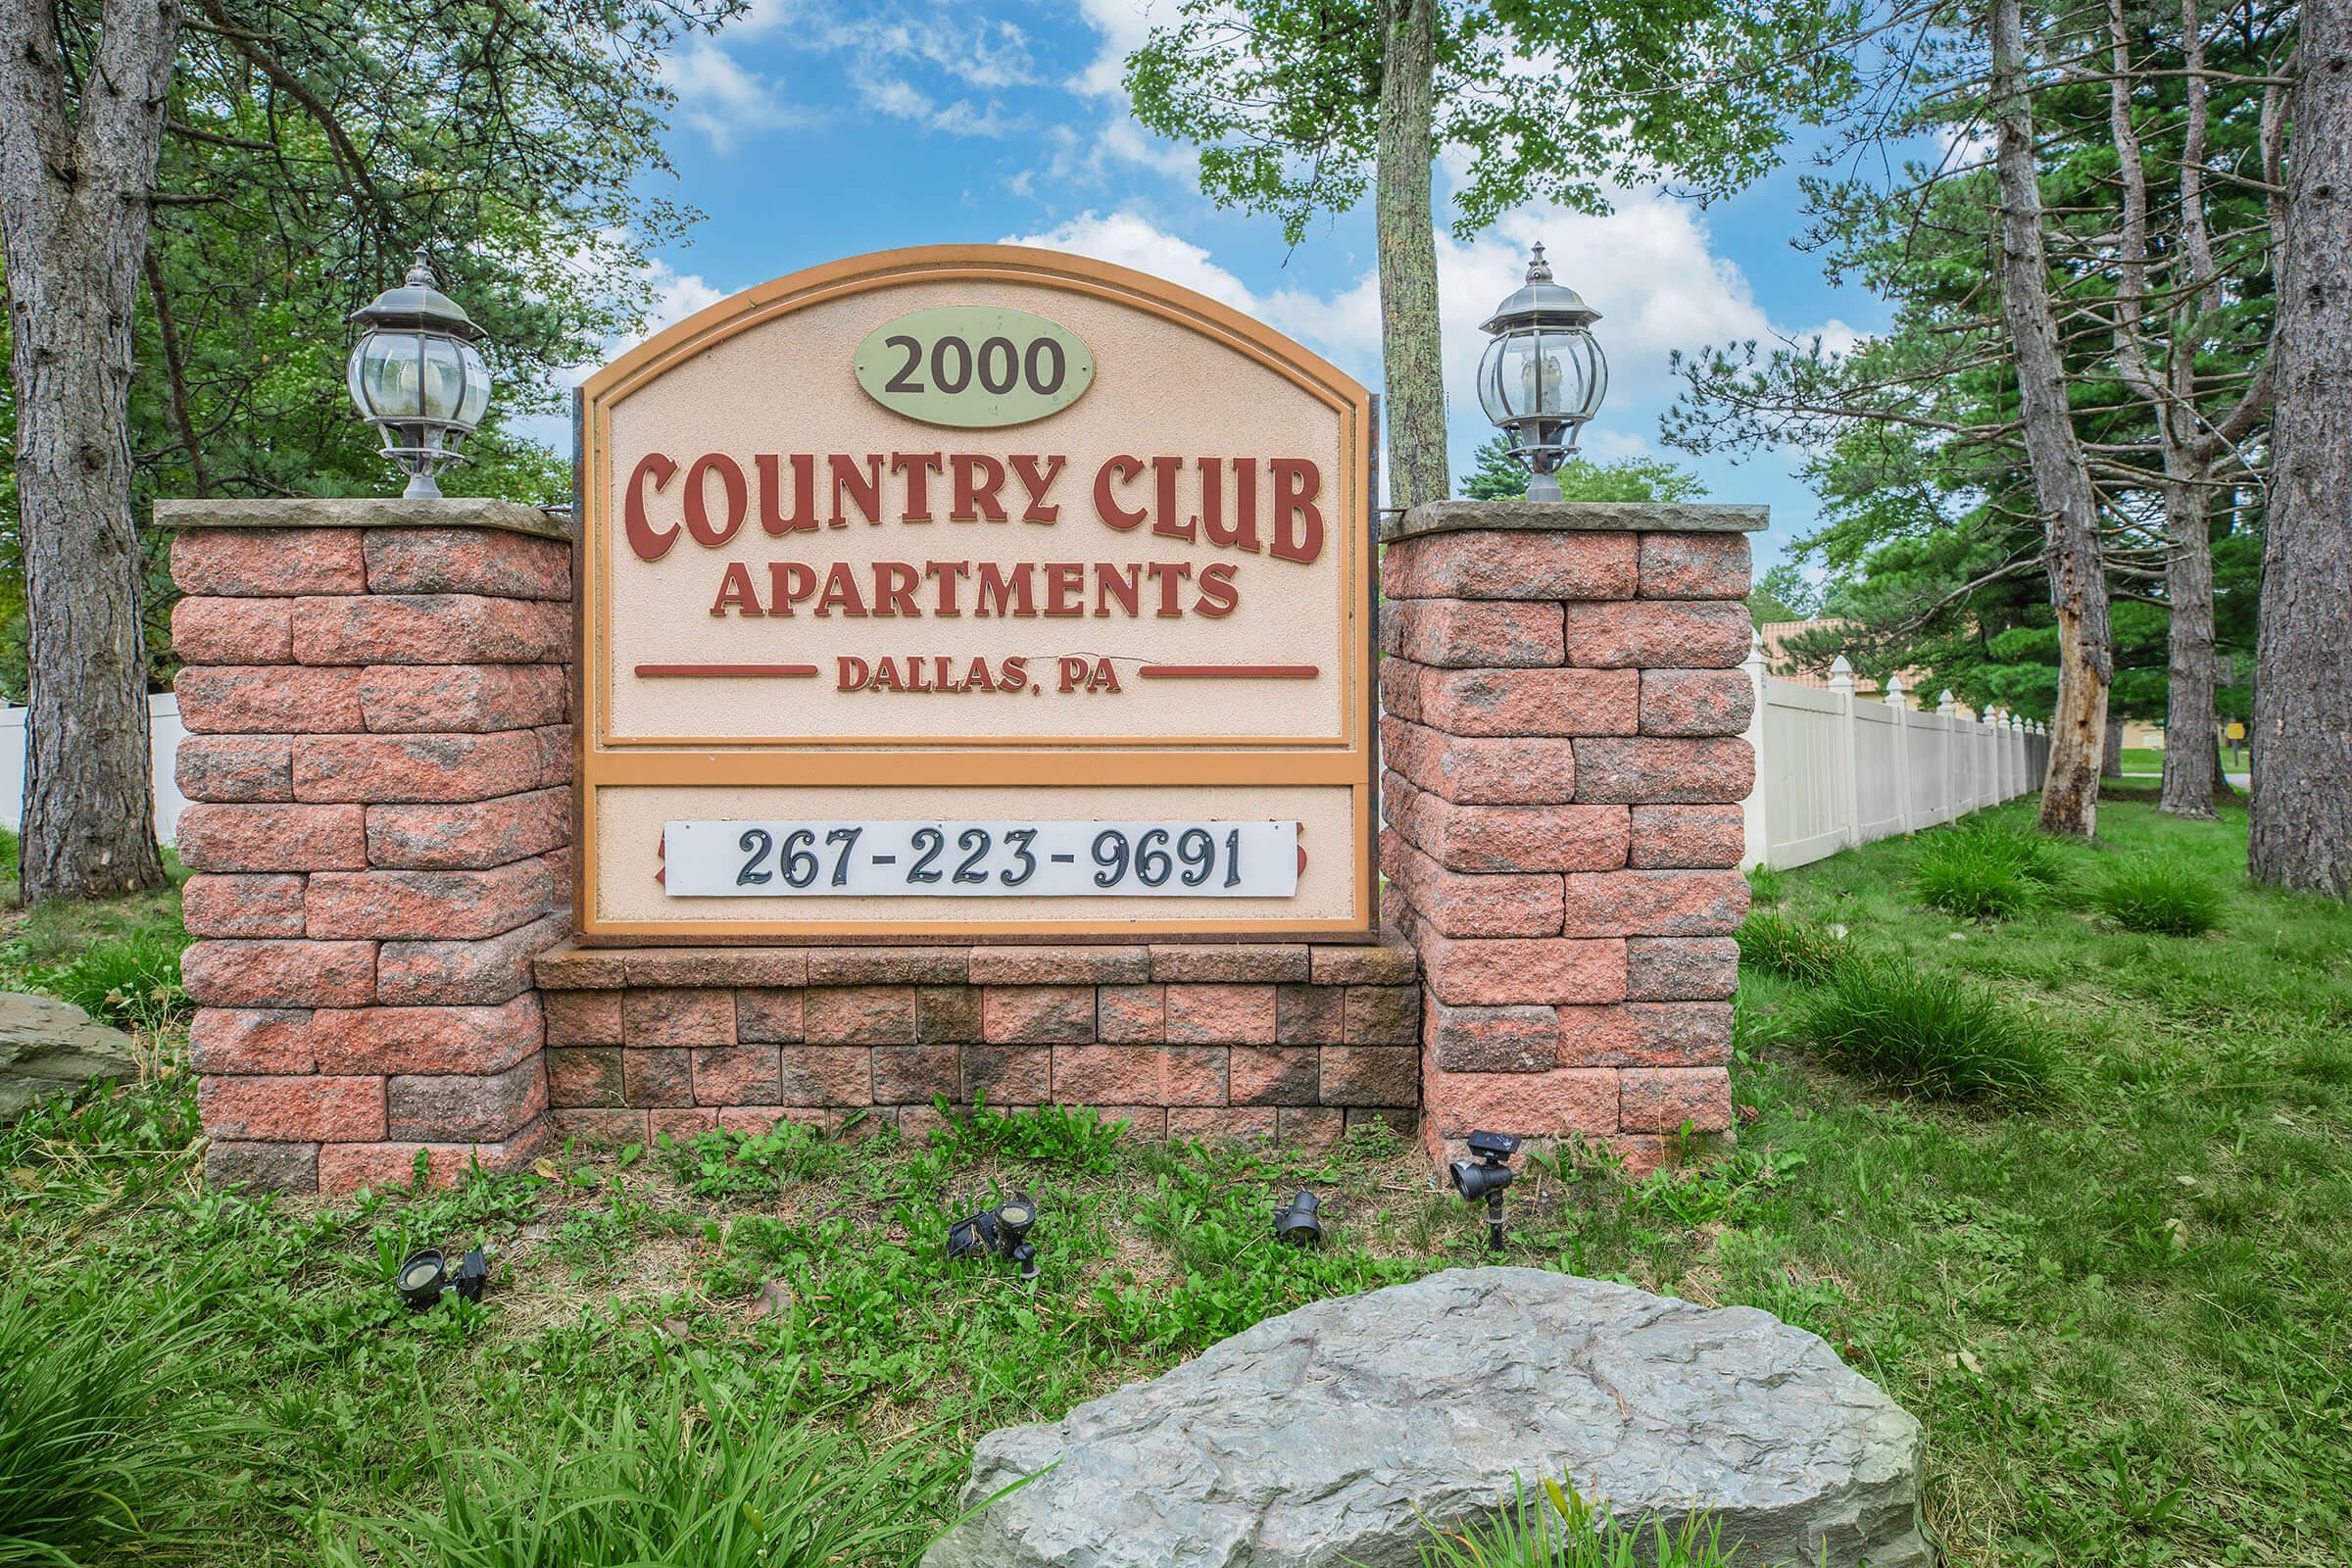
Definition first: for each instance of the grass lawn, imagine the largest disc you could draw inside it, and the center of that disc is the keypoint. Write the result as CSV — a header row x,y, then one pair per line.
x,y
2121,1302
2148,760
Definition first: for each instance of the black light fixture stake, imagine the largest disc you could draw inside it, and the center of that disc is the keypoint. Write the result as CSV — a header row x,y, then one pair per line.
x,y
1487,1178
426,1274
1297,1224
1003,1230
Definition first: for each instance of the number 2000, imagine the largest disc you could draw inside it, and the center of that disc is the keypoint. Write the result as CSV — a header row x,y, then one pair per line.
x,y
998,363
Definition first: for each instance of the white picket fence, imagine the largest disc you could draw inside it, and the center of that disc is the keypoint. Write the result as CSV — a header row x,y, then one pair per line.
x,y
165,735
1833,770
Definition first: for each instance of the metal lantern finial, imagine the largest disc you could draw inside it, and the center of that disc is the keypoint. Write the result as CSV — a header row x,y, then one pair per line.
x,y
416,376
1542,376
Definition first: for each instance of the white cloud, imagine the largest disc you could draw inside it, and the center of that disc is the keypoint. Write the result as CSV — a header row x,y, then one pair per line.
x,y
900,99
1123,24
1608,444
676,296
1091,157
1129,239
888,49
1647,267
718,96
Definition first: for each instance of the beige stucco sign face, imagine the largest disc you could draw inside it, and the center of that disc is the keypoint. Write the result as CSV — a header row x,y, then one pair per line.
x,y
974,591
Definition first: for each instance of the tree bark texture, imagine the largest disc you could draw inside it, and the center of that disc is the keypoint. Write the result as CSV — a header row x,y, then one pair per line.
x,y
2070,797
2302,730
2110,753
75,199
1413,369
2192,668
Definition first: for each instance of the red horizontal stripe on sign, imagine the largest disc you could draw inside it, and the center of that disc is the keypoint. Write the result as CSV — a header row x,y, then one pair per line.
x,y
1233,671
726,670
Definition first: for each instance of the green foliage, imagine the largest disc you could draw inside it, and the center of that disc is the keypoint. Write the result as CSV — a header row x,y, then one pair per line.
x,y
131,980
1792,949
700,1477
727,1160
1561,1529
2147,893
1545,103
1984,873
1782,594
1961,878
116,958
309,150
104,1423
1929,537
1927,1033
1498,476
1710,1192
1229,1272
1073,1137
1766,886
2035,854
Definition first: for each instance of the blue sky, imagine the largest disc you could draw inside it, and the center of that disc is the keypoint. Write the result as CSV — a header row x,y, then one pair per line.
x,y
814,130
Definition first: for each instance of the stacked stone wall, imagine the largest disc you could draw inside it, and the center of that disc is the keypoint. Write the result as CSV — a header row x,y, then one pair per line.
x,y
380,760
1288,1041
379,694
1563,712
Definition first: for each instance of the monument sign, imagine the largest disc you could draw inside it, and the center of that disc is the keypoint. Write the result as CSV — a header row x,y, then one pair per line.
x,y
973,591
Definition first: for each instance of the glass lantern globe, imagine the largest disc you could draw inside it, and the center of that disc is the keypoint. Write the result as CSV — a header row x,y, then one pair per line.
x,y
1542,376
417,377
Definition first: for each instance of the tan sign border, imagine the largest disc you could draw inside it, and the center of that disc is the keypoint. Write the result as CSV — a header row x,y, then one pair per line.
x,y
600,758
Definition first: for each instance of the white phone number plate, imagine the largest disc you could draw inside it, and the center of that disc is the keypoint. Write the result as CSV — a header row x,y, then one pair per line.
x,y
980,860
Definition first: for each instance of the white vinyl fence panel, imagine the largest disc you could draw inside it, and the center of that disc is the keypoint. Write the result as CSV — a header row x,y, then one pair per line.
x,y
164,736
1834,770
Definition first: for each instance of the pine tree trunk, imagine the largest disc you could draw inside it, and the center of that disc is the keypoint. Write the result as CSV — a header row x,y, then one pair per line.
x,y
2110,753
2302,729
2189,773
2070,797
1414,371
74,183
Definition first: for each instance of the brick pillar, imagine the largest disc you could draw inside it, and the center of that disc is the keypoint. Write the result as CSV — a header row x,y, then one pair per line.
x,y
376,694
1565,709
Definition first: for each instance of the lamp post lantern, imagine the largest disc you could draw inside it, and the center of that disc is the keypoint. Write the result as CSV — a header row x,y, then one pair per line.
x,y
1542,376
417,377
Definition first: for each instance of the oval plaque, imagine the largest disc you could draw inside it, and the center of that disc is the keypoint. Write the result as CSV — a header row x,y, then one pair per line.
x,y
974,366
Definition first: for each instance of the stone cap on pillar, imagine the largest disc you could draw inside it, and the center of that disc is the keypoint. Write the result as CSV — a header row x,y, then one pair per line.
x,y
367,512
1572,516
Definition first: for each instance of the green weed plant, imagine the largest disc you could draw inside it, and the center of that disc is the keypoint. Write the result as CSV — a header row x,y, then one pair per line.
x,y
1927,1033
2158,896
103,1420
1559,1529
696,1477
1793,949
1982,872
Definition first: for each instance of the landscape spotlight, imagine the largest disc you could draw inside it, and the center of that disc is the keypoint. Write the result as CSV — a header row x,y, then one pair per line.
x,y
1297,1224
1003,1230
1487,1178
425,1273
1542,376
417,377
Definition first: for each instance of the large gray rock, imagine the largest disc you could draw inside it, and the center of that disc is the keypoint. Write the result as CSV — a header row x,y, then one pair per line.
x,y
48,1046
1313,1438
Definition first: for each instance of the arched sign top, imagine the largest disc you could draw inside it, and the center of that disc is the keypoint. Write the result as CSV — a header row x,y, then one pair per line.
x,y
970,591
1010,263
